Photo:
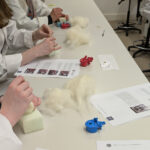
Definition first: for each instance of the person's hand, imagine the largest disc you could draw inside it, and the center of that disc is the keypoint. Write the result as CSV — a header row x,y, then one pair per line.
x,y
17,99
46,47
36,101
56,13
42,49
43,32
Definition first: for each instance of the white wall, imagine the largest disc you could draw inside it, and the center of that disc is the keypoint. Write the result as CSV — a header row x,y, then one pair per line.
x,y
113,11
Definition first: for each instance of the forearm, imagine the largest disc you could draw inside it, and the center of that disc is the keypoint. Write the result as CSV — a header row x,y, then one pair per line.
x,y
42,49
29,56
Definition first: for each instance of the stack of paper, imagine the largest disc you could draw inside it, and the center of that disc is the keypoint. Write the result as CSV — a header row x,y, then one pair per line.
x,y
124,105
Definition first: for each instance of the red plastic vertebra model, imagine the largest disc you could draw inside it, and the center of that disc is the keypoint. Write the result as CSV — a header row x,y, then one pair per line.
x,y
85,61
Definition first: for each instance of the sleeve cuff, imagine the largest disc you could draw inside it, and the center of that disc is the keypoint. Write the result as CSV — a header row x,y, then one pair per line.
x,y
5,124
28,39
8,135
50,21
13,62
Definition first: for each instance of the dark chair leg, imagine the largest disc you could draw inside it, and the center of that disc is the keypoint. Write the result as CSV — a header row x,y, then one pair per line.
x,y
137,52
136,29
130,47
127,33
145,71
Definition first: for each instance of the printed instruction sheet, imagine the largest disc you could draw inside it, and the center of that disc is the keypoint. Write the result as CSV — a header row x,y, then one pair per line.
x,y
124,145
124,105
59,68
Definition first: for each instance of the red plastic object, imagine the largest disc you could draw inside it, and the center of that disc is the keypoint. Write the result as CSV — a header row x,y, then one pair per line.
x,y
85,61
65,25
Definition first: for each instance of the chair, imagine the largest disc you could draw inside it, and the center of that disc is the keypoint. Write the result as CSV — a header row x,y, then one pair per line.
x,y
127,26
141,45
138,14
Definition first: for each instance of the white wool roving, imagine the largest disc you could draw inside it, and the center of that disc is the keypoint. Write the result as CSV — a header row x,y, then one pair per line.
x,y
74,95
80,21
81,87
76,36
55,100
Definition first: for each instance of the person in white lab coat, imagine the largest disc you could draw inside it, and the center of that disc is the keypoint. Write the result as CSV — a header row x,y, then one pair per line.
x,y
19,94
31,14
14,103
10,36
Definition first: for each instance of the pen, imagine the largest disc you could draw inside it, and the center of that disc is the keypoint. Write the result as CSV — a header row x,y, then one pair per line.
x,y
103,33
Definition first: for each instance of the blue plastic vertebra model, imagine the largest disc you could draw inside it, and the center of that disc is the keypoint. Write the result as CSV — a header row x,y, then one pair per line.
x,y
93,125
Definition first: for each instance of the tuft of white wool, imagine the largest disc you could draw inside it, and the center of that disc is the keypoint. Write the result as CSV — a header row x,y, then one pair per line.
x,y
55,100
81,87
76,36
74,95
80,21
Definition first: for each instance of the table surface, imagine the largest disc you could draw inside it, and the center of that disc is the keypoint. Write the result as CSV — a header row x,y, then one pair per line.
x,y
66,130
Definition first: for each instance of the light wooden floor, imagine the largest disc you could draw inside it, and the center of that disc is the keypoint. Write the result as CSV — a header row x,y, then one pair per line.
x,y
142,60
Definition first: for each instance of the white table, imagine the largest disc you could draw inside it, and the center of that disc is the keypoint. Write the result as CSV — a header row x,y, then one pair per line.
x,y
65,131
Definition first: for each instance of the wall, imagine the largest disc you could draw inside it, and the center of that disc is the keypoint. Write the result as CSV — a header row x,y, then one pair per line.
x,y
113,11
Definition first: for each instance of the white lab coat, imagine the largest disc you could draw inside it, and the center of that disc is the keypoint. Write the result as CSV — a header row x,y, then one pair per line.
x,y
145,10
8,139
20,9
11,37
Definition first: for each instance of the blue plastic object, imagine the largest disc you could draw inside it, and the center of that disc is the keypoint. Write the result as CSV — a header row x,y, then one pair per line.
x,y
93,125
58,24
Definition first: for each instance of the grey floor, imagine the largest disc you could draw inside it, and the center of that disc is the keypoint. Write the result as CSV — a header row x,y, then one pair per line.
x,y
143,59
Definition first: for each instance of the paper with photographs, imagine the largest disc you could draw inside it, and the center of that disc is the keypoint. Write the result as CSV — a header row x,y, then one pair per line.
x,y
59,68
124,105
